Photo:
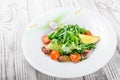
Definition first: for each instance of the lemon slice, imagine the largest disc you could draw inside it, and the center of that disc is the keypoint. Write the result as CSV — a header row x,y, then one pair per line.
x,y
89,39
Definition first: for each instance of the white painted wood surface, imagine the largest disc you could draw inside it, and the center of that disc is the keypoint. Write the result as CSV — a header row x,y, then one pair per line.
x,y
16,14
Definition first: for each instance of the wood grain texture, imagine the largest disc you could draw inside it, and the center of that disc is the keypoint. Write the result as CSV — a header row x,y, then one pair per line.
x,y
16,14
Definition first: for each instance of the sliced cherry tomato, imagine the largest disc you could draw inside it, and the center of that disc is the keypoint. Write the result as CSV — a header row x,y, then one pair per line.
x,y
88,33
45,39
75,57
54,55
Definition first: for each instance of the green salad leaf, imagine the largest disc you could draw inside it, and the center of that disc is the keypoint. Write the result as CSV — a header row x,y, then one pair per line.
x,y
66,40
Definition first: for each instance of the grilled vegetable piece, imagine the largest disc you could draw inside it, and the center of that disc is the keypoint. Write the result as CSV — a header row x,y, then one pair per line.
x,y
64,59
45,50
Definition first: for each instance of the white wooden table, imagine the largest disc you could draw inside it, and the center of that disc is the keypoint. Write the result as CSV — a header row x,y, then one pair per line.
x,y
16,14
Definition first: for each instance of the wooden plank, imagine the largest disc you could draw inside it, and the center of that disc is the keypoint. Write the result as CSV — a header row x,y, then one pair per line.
x,y
2,57
36,8
13,65
5,62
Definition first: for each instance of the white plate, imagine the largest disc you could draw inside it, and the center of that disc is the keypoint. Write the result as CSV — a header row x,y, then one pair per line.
x,y
93,21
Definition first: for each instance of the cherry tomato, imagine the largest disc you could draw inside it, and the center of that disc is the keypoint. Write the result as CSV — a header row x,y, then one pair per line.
x,y
54,55
45,39
75,57
88,33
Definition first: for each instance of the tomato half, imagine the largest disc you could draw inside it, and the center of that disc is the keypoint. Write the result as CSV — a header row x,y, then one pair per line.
x,y
88,33
54,55
75,57
45,39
